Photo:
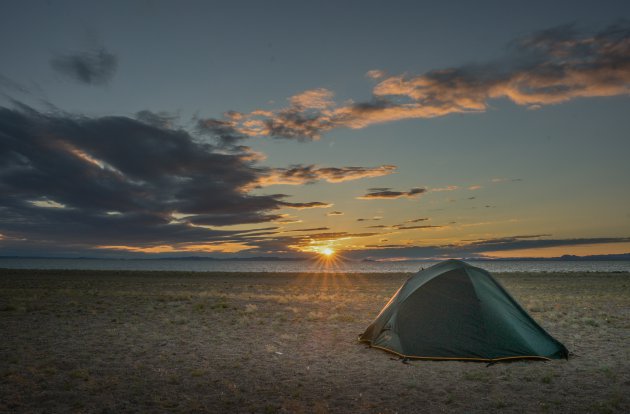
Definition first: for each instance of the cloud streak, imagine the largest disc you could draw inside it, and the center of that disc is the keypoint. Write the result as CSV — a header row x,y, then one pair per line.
x,y
545,68
310,204
388,193
477,248
335,213
309,174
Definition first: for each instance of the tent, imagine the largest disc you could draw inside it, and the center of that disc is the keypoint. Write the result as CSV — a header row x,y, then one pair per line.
x,y
455,311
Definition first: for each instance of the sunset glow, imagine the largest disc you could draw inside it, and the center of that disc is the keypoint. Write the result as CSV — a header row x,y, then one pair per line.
x,y
261,144
203,204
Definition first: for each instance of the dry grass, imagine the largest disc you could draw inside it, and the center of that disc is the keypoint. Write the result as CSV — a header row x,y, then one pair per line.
x,y
77,341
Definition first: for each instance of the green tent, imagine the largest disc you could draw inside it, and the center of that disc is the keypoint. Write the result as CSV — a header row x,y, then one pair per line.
x,y
453,310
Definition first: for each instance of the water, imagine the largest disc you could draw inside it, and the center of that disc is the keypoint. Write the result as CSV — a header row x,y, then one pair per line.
x,y
306,266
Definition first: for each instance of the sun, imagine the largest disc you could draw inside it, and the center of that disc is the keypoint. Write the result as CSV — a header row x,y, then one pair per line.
x,y
328,252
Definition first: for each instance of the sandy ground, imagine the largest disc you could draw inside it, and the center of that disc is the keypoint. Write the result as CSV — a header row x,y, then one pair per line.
x,y
85,341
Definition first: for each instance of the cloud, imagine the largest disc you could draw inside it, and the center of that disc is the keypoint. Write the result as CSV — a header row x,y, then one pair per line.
x,y
311,229
92,67
334,213
475,187
476,248
548,67
232,218
529,236
338,235
287,220
545,68
399,227
224,132
81,182
375,74
313,99
296,244
406,226
388,193
159,119
417,220
375,218
299,174
310,204
447,188
502,180
181,248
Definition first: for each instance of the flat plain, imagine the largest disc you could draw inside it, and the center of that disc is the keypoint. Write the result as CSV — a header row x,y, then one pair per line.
x,y
109,342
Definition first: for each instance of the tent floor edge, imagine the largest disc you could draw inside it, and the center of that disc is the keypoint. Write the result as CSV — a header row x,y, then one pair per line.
x,y
489,361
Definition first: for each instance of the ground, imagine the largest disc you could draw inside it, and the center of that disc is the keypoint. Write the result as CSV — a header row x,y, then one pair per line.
x,y
87,341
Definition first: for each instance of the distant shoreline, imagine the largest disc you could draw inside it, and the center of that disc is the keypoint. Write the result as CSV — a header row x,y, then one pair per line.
x,y
564,258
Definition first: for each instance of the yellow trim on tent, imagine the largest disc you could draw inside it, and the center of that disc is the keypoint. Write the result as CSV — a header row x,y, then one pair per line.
x,y
429,358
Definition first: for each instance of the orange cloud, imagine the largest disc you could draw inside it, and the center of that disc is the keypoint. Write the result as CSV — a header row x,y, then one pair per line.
x,y
447,188
549,67
313,99
199,247
399,227
375,74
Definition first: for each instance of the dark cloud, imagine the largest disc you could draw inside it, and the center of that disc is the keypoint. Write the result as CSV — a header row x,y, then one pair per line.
x,y
311,204
334,213
400,227
375,218
388,193
87,182
503,180
295,124
160,120
285,220
386,246
93,67
227,219
223,131
417,220
530,236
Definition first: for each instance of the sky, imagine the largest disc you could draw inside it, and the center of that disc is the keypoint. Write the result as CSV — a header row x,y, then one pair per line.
x,y
380,130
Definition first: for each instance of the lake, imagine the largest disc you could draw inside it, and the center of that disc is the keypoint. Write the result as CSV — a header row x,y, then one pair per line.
x,y
192,265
